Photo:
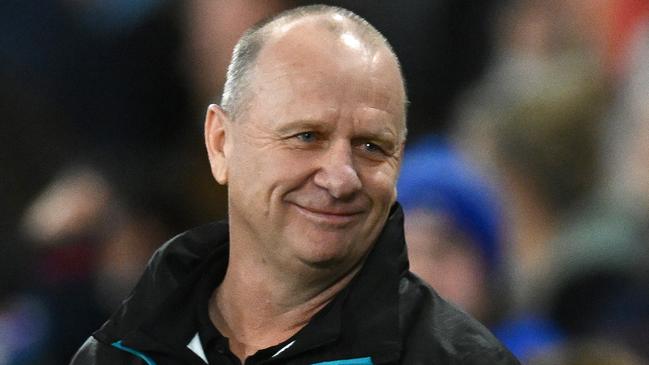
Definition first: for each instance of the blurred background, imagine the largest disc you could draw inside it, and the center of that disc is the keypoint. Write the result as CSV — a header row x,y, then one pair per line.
x,y
525,181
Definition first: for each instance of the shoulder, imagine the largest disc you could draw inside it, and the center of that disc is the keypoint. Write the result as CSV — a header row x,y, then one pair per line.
x,y
435,330
170,267
179,256
176,259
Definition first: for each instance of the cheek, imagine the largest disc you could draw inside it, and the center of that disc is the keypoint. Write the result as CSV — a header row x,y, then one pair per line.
x,y
267,175
380,184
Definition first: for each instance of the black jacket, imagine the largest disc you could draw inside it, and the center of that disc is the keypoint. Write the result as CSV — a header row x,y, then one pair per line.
x,y
385,316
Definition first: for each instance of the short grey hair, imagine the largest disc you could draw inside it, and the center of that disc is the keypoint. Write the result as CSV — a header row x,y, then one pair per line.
x,y
236,94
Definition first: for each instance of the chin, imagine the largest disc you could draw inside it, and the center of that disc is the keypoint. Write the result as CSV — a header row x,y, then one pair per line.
x,y
322,264
327,257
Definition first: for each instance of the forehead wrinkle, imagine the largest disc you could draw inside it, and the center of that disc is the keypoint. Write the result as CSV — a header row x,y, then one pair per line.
x,y
285,82
382,99
376,125
282,69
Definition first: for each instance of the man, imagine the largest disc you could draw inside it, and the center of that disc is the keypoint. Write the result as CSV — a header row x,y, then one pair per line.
x,y
311,267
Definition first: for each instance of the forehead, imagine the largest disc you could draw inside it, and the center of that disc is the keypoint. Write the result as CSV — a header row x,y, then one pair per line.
x,y
308,61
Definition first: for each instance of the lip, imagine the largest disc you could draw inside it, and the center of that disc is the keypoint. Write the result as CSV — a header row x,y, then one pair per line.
x,y
334,217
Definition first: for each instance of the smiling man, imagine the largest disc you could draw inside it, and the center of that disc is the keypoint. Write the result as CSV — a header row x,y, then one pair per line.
x,y
311,266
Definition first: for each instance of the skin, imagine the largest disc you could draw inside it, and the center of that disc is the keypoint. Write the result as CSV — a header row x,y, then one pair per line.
x,y
443,256
311,169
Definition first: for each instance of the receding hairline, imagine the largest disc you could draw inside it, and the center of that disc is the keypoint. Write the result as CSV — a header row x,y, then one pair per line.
x,y
245,55
334,19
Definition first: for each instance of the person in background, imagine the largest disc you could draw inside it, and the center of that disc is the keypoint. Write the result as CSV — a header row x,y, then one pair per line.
x,y
89,243
453,226
575,208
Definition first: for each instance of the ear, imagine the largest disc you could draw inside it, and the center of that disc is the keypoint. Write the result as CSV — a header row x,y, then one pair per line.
x,y
216,126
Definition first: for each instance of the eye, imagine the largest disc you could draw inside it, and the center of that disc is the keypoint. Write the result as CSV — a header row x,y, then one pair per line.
x,y
306,136
371,147
374,150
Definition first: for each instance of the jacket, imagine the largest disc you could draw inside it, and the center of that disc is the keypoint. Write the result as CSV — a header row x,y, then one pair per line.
x,y
386,315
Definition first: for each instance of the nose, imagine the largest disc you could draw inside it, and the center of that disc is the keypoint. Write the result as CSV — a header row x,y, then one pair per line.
x,y
337,173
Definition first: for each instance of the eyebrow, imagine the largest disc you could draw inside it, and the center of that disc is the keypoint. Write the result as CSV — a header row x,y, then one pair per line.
x,y
384,134
301,124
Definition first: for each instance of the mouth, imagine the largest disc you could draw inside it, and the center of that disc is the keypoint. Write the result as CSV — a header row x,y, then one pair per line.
x,y
330,217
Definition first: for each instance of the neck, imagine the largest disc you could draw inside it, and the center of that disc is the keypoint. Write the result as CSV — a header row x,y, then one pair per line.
x,y
257,307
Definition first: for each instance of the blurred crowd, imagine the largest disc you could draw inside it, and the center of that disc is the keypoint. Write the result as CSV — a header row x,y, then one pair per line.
x,y
525,181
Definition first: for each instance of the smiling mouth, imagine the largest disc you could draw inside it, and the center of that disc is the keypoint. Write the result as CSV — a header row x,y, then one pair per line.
x,y
329,217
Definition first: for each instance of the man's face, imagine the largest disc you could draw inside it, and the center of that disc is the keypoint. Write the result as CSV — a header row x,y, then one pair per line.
x,y
313,161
